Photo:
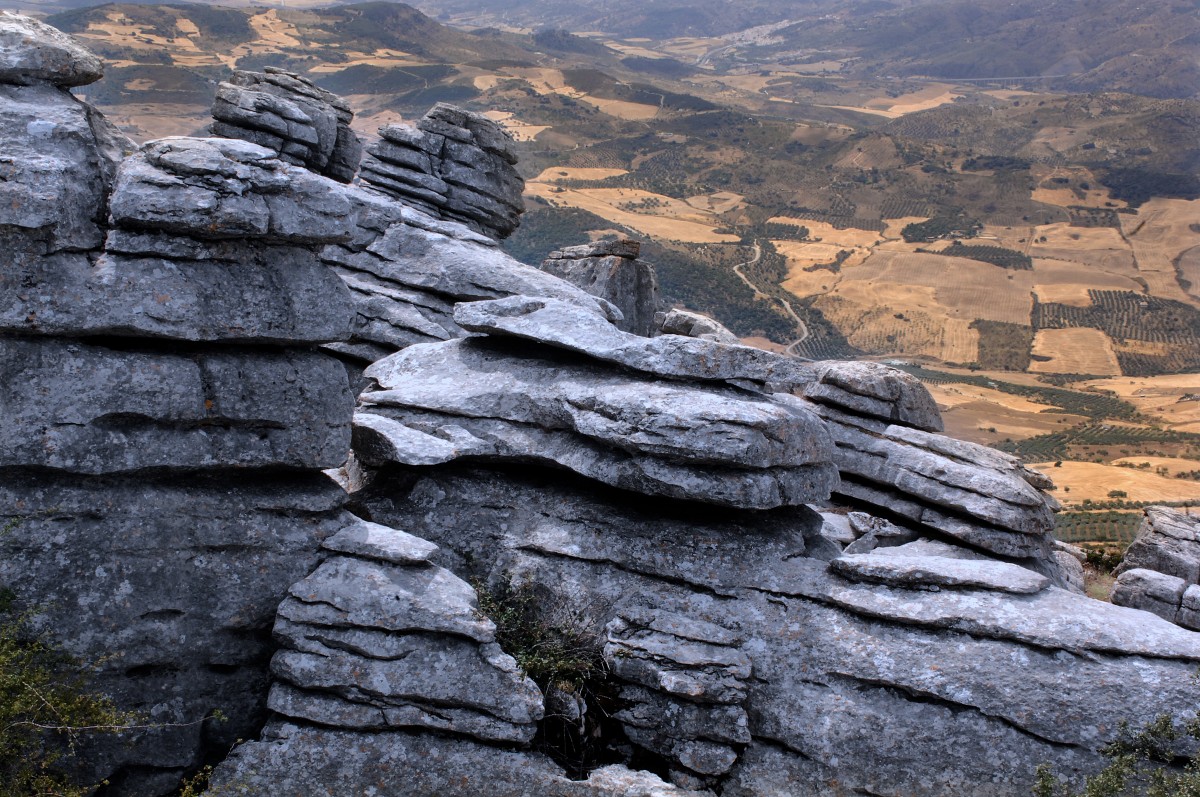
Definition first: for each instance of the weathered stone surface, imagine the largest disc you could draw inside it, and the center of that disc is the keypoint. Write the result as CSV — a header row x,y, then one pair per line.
x,y
693,325
88,408
301,122
269,294
916,572
367,540
1167,541
56,170
612,272
457,268
876,391
169,586
371,680
714,445
931,479
347,592
1150,591
455,164
885,690
293,760
227,188
33,52
568,326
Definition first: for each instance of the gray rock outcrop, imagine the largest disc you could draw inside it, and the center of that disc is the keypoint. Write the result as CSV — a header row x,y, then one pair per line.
x,y
453,164
167,412
290,115
1167,541
379,638
1160,570
612,271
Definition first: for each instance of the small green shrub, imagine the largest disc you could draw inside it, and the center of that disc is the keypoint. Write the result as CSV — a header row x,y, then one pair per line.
x,y
1138,765
45,709
555,647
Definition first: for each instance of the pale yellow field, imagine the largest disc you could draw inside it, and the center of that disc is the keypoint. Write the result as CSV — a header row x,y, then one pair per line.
x,y
1065,197
931,96
894,226
1074,351
557,174
600,202
866,314
1172,466
954,394
274,31
629,111
1063,235
960,343
966,289
1158,234
720,202
1166,397
828,234
884,112
1093,480
1069,282
145,122
520,131
1189,269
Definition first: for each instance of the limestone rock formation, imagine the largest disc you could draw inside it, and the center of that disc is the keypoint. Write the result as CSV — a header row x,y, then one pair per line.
x,y
290,115
1168,541
454,164
612,271
693,325
378,637
495,400
168,323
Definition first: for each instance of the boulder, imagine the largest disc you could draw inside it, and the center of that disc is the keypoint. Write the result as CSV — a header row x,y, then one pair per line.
x,y
215,188
285,112
567,326
33,52
490,399
693,325
1167,541
56,170
379,638
612,271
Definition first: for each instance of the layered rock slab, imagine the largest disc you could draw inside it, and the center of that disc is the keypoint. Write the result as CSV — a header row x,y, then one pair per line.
x,y
377,637
491,399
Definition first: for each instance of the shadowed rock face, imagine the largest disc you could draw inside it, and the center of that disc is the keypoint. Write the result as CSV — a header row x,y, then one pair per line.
x,y
167,319
612,271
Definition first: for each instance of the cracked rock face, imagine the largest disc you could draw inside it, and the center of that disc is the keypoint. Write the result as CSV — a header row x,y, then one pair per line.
x,y
939,672
33,52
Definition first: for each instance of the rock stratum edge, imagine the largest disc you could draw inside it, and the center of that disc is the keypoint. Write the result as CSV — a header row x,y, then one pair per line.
x,y
273,413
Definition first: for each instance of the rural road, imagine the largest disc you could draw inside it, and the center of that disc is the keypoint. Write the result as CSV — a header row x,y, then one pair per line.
x,y
800,325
